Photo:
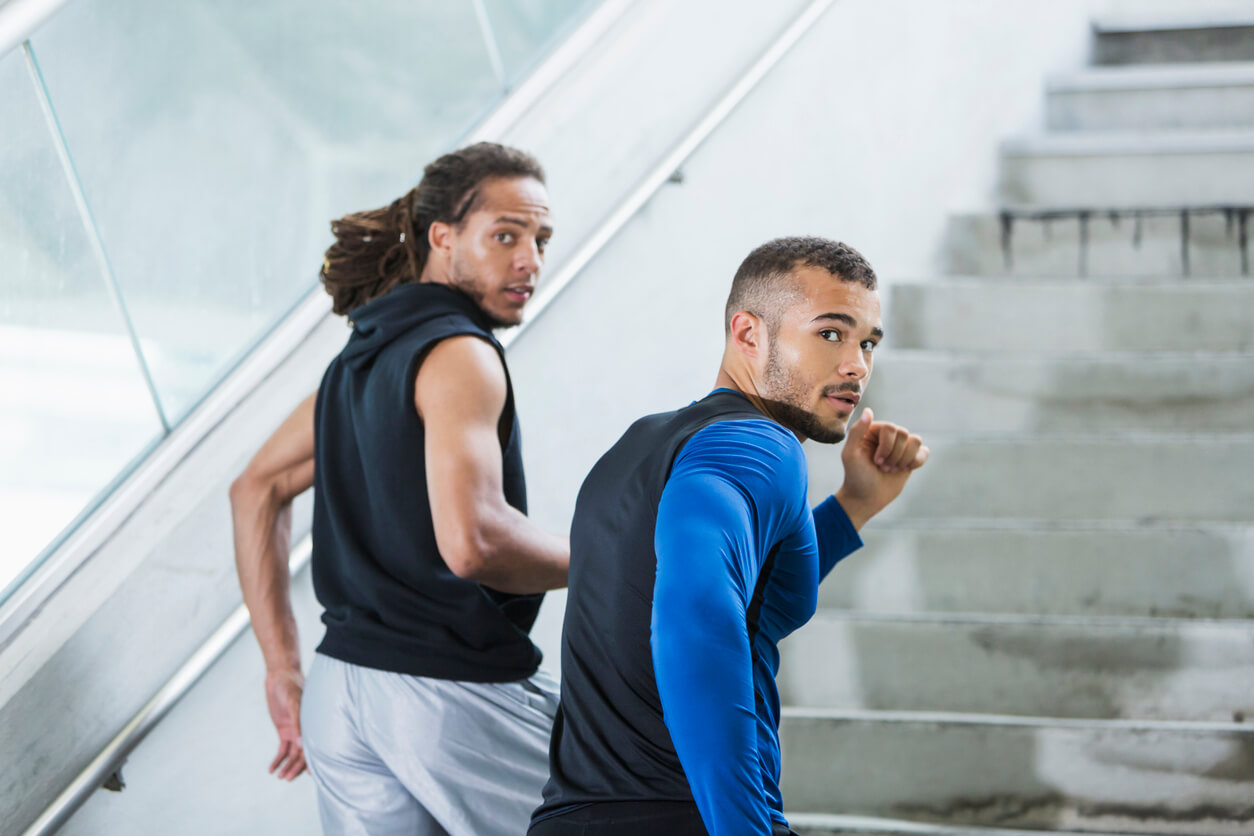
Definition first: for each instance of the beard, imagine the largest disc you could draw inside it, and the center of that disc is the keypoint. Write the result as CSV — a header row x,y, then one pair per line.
x,y
785,394
467,282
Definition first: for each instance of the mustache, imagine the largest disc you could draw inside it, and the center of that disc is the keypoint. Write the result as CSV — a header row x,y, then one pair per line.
x,y
829,391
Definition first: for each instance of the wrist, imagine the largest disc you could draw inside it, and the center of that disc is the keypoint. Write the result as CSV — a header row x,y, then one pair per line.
x,y
857,511
286,668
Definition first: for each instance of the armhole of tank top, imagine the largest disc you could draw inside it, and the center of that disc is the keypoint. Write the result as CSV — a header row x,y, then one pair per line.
x,y
505,424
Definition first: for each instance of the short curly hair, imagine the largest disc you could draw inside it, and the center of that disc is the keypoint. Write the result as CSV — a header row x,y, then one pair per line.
x,y
763,284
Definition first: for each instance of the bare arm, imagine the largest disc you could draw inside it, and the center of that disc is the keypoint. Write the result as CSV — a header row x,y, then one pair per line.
x,y
261,512
460,394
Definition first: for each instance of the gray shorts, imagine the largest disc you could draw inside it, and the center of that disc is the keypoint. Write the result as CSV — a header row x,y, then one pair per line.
x,y
398,754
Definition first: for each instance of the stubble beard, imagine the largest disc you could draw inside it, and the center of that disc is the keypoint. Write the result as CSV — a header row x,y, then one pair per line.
x,y
786,395
467,282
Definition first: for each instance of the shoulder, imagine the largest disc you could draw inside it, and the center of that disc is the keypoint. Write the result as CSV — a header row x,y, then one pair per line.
x,y
758,456
461,369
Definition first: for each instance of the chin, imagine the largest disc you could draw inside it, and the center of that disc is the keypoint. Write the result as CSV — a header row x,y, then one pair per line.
x,y
505,318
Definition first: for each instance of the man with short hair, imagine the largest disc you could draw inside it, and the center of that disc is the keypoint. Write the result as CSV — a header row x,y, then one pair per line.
x,y
694,552
424,711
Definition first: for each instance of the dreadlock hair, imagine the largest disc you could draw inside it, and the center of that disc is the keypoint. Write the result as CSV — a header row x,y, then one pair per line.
x,y
763,284
377,250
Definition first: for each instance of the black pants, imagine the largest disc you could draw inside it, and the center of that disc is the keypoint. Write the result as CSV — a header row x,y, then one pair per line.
x,y
631,818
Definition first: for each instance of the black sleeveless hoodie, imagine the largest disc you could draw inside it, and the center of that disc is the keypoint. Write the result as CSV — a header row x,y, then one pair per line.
x,y
390,600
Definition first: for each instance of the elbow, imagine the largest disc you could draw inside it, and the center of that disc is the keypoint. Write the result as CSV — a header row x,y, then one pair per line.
x,y
249,491
242,490
467,557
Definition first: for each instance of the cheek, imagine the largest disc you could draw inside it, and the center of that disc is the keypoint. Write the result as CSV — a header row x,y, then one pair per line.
x,y
479,251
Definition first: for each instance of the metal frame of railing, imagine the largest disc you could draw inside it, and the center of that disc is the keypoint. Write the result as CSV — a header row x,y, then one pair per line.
x,y
109,760
18,18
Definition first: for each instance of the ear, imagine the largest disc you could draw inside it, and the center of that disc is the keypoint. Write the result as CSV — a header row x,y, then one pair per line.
x,y
748,334
440,237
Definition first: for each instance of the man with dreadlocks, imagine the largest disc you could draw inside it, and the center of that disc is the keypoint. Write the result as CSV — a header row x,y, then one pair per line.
x,y
424,711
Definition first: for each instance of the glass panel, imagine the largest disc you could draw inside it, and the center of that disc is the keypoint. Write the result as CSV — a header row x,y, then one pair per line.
x,y
215,139
75,410
526,29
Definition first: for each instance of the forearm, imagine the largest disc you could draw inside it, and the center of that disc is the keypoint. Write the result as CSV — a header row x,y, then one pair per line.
x,y
262,529
513,554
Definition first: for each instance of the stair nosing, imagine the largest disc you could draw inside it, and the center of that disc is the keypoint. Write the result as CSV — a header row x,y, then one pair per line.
x,y
1166,623
956,718
1199,75
1109,143
1008,280
1045,525
878,824
1129,24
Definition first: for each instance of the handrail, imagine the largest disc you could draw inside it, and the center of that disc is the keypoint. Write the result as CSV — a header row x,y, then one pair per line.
x,y
18,18
111,758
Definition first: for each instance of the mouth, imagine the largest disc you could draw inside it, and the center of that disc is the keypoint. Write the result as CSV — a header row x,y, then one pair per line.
x,y
845,401
520,293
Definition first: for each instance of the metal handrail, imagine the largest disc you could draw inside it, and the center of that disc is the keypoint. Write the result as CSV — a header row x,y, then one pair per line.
x,y
18,18
109,760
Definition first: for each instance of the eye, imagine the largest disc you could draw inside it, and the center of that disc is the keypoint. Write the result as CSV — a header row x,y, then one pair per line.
x,y
504,237
541,243
830,334
869,345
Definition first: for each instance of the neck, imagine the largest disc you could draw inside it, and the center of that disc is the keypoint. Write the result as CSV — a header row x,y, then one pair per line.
x,y
433,273
739,379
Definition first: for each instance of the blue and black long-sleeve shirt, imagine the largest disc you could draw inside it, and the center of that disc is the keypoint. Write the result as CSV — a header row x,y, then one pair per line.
x,y
693,553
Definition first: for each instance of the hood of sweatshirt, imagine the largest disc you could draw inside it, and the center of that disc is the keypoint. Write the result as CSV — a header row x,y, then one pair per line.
x,y
379,322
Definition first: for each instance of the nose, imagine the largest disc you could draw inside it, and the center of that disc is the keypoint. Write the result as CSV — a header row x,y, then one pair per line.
x,y
853,364
528,258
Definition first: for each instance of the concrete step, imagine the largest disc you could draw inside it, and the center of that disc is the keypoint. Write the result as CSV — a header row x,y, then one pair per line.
x,y
1070,315
1209,243
1181,571
1107,170
1040,666
1130,478
1195,35
1152,97
819,824
1057,775
974,392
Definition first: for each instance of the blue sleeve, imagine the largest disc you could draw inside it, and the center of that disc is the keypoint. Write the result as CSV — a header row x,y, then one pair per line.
x,y
734,489
836,535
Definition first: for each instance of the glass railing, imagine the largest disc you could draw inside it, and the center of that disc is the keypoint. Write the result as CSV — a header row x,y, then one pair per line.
x,y
168,172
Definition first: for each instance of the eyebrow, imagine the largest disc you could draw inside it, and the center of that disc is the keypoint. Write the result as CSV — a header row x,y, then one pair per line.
x,y
505,219
847,320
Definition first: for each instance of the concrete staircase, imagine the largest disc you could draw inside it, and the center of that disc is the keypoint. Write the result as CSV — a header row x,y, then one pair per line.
x,y
1053,631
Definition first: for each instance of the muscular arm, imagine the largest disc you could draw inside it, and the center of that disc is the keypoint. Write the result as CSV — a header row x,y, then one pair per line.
x,y
261,512
725,500
460,394
261,515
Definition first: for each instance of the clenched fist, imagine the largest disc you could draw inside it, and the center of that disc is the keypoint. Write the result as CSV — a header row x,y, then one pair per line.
x,y
878,457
